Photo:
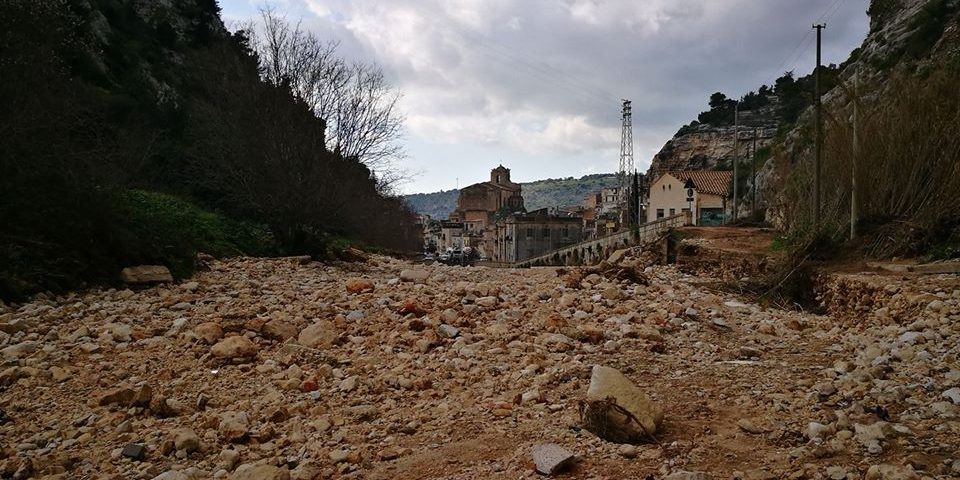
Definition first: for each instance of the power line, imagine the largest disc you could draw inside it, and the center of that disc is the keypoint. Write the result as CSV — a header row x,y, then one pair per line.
x,y
832,9
804,42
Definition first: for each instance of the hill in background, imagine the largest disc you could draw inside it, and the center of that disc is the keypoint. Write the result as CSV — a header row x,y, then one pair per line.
x,y
551,192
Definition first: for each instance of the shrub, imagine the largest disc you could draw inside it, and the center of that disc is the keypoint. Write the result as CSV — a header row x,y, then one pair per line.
x,y
908,186
161,228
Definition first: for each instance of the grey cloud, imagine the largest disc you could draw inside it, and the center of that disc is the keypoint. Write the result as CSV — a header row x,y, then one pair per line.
x,y
538,60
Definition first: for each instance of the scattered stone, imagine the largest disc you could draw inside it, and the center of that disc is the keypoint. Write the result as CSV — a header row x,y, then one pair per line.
x,y
748,426
487,302
750,352
22,349
870,436
318,335
209,332
682,475
819,431
234,426
551,458
390,453
379,379
235,347
448,331
416,276
172,475
627,451
260,472
186,440
279,330
146,274
127,396
134,451
339,456
359,285
229,459
891,472
835,472
953,395
617,256
611,293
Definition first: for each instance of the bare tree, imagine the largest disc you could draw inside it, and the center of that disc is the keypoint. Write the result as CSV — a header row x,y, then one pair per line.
x,y
360,109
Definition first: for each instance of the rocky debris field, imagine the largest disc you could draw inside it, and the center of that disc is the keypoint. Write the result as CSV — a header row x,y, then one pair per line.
x,y
281,369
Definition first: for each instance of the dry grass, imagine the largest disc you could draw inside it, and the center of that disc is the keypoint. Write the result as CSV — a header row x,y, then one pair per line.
x,y
907,168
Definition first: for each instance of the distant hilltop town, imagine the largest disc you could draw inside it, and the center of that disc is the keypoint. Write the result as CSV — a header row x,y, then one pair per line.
x,y
491,222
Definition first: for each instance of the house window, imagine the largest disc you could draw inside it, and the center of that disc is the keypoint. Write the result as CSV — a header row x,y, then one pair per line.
x,y
673,211
529,233
565,232
669,186
546,232
659,213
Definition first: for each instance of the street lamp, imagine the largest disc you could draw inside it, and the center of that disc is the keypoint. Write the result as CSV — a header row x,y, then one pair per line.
x,y
690,186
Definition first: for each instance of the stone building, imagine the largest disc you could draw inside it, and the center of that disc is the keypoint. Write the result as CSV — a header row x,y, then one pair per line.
x,y
526,235
591,207
451,236
481,204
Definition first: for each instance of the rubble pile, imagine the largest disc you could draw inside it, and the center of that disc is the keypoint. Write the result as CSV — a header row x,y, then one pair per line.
x,y
698,256
279,369
874,298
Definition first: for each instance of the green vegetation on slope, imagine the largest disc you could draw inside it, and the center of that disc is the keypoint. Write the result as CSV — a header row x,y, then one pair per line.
x,y
564,192
172,231
539,194
439,205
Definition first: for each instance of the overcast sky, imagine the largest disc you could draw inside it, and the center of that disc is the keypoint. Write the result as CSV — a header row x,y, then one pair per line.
x,y
536,84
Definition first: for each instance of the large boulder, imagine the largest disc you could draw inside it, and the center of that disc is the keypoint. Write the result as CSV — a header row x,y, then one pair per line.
x,y
146,274
618,411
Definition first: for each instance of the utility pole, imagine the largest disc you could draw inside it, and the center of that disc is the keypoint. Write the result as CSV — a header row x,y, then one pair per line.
x,y
753,175
626,162
736,154
819,133
854,213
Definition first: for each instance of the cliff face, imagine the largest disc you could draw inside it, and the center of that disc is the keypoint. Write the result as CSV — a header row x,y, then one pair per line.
x,y
709,148
706,146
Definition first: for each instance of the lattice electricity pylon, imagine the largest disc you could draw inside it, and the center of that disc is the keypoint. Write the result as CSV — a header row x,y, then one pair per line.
x,y
626,158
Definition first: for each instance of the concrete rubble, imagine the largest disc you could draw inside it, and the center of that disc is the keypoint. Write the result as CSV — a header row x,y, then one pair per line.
x,y
272,368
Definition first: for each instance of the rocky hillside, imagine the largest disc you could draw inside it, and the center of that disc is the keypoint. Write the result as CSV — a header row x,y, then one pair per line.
x,y
909,41
907,37
539,194
708,143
